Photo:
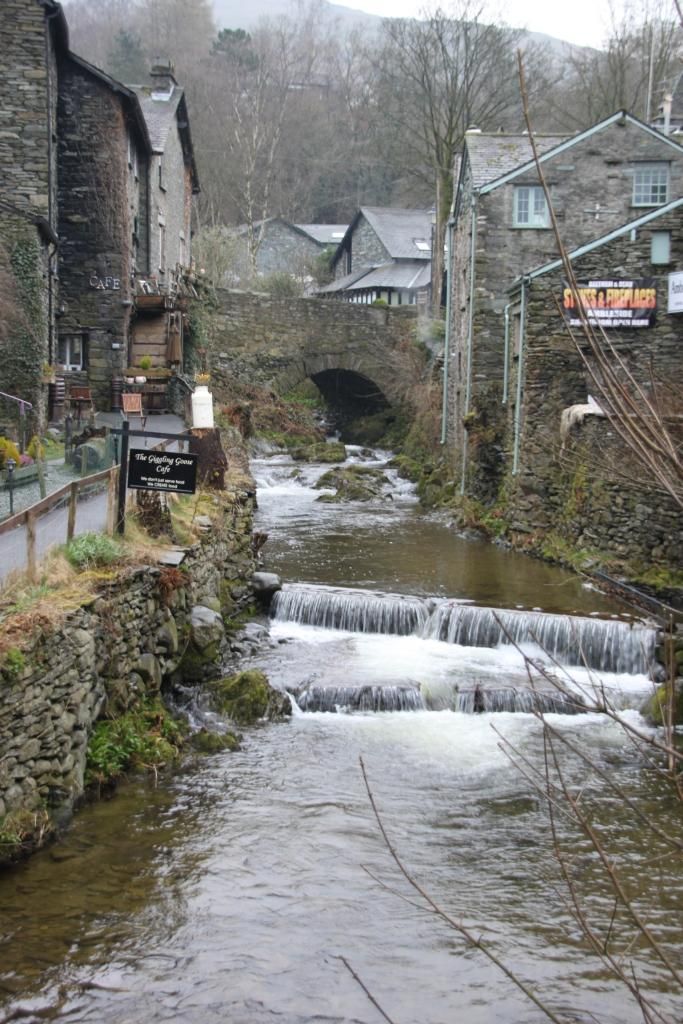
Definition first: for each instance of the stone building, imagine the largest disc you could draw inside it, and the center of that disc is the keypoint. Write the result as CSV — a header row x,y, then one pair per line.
x,y
32,33
96,187
599,179
160,322
571,477
103,164
385,254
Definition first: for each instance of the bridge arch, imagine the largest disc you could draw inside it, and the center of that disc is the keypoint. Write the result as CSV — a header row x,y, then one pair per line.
x,y
344,348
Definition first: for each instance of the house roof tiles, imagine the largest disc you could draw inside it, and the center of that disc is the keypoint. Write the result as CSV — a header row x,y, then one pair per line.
x,y
493,155
398,230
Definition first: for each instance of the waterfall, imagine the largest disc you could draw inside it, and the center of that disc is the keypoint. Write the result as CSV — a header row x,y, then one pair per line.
x,y
471,683
360,698
355,611
602,644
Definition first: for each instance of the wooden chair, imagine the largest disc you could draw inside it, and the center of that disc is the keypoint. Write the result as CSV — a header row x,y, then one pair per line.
x,y
131,405
79,397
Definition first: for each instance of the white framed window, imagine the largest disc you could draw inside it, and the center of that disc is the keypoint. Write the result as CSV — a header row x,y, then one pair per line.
x,y
72,351
530,207
650,184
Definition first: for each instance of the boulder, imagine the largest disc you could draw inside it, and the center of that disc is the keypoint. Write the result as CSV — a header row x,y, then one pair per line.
x,y
206,627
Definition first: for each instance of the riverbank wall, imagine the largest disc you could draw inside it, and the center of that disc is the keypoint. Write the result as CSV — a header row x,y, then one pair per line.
x,y
117,648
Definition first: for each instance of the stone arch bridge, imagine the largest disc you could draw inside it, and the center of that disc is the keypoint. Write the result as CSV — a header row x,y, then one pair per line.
x,y
360,352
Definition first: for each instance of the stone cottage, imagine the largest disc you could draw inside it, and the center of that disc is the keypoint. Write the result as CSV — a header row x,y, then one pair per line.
x,y
286,248
599,180
568,472
385,254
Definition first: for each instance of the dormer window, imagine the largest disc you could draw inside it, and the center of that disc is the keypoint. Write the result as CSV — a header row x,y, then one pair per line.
x,y
420,244
650,184
530,207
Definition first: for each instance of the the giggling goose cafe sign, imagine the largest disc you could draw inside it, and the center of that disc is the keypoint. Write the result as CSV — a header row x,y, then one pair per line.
x,y
676,292
613,303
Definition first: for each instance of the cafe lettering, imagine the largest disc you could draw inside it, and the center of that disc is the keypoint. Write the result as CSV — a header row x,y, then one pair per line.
x,y
612,304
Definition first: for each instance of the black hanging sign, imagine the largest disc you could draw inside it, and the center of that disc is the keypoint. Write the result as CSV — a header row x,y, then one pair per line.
x,y
162,471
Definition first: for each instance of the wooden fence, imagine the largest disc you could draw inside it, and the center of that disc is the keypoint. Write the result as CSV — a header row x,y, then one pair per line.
x,y
29,517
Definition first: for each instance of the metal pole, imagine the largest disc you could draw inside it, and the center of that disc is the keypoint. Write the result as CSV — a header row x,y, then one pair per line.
x,y
123,479
520,381
11,464
447,339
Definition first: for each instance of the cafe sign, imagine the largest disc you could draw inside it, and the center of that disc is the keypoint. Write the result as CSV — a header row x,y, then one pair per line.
x,y
612,303
162,471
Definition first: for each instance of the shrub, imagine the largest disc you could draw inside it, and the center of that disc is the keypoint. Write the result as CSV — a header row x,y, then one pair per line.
x,y
146,363
92,549
380,302
8,450
36,449
145,737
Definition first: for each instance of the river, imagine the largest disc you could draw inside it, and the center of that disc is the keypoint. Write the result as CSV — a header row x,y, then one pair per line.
x,y
250,887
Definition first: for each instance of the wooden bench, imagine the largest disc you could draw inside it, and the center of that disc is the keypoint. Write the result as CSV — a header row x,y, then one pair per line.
x,y
131,405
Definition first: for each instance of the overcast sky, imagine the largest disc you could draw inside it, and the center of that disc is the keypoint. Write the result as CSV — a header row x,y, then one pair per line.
x,y
578,21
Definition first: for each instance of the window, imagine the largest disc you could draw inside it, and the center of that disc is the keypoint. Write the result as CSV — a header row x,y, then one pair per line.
x,y
650,184
531,209
660,247
162,185
72,351
422,245
162,248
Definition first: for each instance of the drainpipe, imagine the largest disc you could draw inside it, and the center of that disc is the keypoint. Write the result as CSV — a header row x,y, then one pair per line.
x,y
506,357
520,377
470,332
447,338
50,186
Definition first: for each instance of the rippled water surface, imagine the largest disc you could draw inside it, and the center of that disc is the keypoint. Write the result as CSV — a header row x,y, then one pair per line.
x,y
247,887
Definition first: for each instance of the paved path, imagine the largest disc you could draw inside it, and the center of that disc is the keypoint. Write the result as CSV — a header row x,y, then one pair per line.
x,y
91,514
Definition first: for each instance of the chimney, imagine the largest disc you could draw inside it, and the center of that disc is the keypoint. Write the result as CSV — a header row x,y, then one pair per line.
x,y
667,102
162,74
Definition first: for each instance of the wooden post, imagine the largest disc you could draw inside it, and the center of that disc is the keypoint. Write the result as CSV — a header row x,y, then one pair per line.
x,y
31,545
84,460
111,499
123,479
41,477
73,504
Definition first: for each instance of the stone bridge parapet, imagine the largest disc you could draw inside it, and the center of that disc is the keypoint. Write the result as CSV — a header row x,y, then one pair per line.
x,y
279,342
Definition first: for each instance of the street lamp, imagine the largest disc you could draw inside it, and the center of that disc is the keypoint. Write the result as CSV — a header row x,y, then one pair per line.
x,y
11,466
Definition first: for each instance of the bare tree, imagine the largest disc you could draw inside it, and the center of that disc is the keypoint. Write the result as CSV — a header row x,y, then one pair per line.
x,y
637,62
436,78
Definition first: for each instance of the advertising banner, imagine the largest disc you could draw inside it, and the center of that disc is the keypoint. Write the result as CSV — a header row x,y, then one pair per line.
x,y
162,471
612,304
676,292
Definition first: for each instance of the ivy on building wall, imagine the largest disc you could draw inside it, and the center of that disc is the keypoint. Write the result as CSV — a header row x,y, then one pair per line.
x,y
23,344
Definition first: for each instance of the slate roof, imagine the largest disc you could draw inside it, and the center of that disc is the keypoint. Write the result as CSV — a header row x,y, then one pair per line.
x,y
160,115
398,229
406,274
493,155
324,234
126,92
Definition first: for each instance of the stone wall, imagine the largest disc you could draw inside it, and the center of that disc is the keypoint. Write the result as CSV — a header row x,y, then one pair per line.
x,y
282,342
122,645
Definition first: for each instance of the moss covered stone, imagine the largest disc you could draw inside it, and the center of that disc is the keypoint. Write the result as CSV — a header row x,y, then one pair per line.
x,y
322,452
653,708
214,742
352,483
248,697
